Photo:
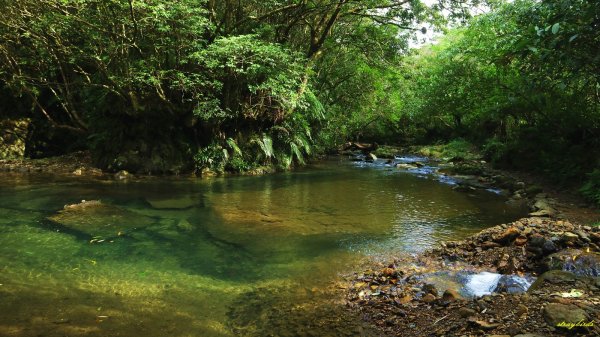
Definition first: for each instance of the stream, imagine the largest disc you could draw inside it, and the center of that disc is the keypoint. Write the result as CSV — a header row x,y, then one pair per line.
x,y
247,256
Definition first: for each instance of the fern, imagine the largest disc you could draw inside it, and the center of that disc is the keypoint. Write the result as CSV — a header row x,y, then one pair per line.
x,y
296,151
266,145
284,160
233,145
303,143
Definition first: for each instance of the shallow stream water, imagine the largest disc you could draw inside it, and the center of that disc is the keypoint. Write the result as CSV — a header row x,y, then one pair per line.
x,y
248,256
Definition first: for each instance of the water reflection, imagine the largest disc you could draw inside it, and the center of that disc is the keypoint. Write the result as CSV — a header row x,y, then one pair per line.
x,y
197,255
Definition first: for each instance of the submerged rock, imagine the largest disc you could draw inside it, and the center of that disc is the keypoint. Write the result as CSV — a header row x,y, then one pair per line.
x,y
185,225
183,202
406,166
98,219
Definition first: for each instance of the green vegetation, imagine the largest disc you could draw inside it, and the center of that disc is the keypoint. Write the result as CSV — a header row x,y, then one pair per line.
x,y
521,82
456,150
237,86
222,85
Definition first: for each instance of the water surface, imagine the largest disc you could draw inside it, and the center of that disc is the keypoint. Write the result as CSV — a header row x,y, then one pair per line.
x,y
249,256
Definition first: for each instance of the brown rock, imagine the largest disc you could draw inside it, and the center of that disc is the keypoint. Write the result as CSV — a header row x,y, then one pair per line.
x,y
555,313
506,264
484,325
521,310
509,234
489,245
404,299
388,271
466,312
451,295
430,289
429,298
521,240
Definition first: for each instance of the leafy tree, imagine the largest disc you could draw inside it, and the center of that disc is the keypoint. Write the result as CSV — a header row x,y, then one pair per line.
x,y
521,81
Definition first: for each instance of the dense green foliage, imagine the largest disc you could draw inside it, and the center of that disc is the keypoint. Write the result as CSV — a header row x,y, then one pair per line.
x,y
522,82
155,86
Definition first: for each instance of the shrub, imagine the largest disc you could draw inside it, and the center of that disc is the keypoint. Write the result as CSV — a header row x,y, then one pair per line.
x,y
591,189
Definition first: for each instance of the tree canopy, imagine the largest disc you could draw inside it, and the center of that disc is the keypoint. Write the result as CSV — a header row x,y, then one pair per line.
x,y
155,86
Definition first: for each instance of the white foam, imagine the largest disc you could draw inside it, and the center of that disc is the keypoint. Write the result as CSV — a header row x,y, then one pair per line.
x,y
482,284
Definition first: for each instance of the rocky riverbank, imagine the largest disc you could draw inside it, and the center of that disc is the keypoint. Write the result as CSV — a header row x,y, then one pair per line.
x,y
467,171
532,277
76,164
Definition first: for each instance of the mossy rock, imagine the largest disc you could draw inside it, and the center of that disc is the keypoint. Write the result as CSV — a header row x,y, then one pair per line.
x,y
552,277
386,152
556,314
13,134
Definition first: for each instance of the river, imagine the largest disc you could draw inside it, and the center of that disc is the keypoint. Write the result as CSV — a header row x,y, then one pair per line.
x,y
246,256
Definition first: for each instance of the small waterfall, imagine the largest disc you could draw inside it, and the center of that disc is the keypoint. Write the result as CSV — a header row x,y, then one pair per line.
x,y
486,283
481,284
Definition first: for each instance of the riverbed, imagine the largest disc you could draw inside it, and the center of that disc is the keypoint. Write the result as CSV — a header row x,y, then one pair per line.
x,y
250,256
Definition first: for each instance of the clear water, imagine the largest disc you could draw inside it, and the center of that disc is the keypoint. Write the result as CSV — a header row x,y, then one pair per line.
x,y
252,256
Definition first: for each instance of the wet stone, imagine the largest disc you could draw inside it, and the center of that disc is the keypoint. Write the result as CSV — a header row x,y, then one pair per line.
x,y
555,313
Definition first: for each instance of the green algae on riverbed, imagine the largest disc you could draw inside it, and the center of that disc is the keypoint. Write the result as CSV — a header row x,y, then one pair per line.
x,y
249,256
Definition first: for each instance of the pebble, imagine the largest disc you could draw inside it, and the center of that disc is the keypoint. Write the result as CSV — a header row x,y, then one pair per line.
x,y
466,312
429,298
484,325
